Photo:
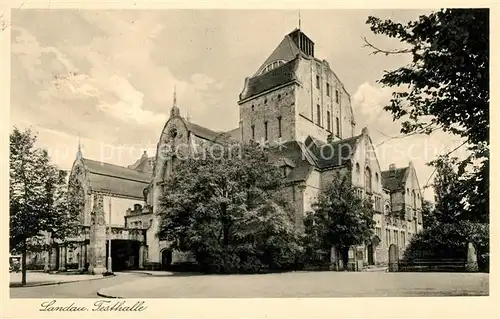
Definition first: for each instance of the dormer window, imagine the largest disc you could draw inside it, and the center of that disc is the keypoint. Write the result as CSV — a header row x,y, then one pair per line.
x,y
273,65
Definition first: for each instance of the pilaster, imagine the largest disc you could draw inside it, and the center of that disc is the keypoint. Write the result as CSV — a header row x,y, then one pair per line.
x,y
98,237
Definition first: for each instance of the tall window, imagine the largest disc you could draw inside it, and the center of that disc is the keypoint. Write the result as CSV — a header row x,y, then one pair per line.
x,y
337,96
368,180
414,199
396,241
253,132
279,126
317,82
328,121
265,130
318,114
328,89
388,237
337,123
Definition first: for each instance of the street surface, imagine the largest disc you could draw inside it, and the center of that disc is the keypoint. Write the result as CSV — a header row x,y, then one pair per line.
x,y
296,284
82,289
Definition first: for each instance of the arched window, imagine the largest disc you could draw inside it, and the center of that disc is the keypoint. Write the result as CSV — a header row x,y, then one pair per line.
x,y
414,200
368,180
273,65
358,177
376,177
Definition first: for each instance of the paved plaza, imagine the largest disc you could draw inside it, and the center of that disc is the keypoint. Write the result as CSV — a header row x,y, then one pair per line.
x,y
284,285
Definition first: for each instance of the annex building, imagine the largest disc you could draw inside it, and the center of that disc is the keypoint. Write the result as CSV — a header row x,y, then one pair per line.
x,y
294,99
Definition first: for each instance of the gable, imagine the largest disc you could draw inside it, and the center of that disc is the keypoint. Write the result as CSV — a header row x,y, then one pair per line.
x,y
395,179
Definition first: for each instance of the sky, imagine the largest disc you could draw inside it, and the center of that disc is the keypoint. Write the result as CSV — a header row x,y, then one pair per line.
x,y
107,77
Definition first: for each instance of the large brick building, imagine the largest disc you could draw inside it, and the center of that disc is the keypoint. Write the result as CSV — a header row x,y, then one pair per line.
x,y
294,100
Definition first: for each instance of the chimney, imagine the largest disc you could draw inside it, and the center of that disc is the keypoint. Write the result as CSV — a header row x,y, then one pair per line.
x,y
392,167
145,154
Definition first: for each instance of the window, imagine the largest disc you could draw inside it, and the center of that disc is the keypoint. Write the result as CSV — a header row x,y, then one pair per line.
x,y
318,114
317,82
378,232
284,170
396,238
403,239
279,126
337,122
253,132
265,101
378,204
273,65
279,96
388,237
328,121
368,180
414,199
387,209
265,130
328,89
337,96
376,177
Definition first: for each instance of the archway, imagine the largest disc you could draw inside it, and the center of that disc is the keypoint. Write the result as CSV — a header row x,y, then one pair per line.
x,y
124,254
371,259
166,258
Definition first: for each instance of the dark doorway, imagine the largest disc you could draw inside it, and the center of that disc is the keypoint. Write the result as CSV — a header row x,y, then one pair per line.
x,y
124,254
166,258
371,260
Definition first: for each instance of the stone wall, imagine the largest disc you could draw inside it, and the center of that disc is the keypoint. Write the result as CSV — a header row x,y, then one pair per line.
x,y
268,108
310,96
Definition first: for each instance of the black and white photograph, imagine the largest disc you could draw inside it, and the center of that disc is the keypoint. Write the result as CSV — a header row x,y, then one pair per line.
x,y
247,153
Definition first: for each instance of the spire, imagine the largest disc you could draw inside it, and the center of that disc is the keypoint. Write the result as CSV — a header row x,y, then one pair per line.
x,y
79,152
175,97
175,110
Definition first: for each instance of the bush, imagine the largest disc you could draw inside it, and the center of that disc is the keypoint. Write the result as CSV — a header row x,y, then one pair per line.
x,y
449,241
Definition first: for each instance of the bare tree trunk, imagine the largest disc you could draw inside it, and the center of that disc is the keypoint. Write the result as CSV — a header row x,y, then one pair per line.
x,y
23,264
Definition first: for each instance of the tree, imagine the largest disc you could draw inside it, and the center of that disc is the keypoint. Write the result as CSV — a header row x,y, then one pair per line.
x,y
448,87
339,218
225,205
428,215
448,193
37,197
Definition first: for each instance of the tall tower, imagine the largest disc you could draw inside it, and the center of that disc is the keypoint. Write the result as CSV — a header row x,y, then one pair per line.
x,y
293,95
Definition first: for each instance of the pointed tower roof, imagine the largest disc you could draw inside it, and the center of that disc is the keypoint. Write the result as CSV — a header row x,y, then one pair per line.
x,y
79,154
294,43
175,112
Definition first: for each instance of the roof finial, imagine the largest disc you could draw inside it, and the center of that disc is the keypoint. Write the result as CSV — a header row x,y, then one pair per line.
x,y
299,19
175,110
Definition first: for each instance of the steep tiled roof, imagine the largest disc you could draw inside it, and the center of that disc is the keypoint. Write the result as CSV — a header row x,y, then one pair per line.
x,y
235,134
116,179
334,154
295,155
203,132
287,50
395,179
276,77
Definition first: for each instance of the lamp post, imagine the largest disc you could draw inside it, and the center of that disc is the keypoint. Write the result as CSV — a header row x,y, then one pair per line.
x,y
110,268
